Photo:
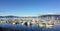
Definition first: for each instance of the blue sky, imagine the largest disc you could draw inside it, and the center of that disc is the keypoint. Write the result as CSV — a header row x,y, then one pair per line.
x,y
29,7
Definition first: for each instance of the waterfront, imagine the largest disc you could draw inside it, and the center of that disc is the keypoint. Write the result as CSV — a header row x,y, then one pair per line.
x,y
29,15
34,27
38,23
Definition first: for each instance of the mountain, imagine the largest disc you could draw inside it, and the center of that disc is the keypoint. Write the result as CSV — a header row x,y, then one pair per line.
x,y
9,17
50,17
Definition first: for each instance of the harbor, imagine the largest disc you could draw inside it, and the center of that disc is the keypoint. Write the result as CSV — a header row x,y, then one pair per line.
x,y
42,21
36,23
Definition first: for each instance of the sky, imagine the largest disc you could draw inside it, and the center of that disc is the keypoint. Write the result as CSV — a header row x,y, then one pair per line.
x,y
29,7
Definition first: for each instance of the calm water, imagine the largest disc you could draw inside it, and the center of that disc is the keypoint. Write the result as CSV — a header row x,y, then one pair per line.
x,y
30,27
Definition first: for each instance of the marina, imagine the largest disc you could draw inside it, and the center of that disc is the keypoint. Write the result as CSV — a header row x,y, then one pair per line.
x,y
30,24
29,15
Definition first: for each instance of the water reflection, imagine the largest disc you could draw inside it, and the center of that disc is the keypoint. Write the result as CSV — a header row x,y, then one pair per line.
x,y
25,24
27,27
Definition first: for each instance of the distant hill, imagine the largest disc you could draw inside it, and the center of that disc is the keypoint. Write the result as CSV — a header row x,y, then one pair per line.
x,y
9,17
49,15
31,17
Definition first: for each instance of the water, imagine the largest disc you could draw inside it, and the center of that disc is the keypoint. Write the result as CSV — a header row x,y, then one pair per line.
x,y
30,27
